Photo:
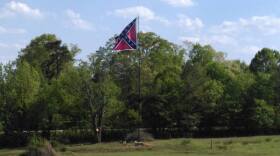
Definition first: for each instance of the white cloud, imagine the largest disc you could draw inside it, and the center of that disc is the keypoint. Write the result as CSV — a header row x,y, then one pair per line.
x,y
223,40
240,38
146,28
142,11
145,13
15,46
266,25
233,47
4,30
227,27
18,46
189,23
192,39
180,3
250,49
13,8
77,21
3,45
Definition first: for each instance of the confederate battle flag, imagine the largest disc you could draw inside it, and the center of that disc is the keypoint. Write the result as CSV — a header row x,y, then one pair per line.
x,y
127,40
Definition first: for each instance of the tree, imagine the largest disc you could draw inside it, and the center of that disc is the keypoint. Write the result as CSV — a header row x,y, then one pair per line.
x,y
160,80
106,92
202,88
194,90
204,54
47,54
276,87
265,61
2,94
21,92
73,104
260,99
261,116
236,79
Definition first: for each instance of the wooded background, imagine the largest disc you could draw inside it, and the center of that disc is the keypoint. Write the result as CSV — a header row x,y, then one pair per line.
x,y
188,90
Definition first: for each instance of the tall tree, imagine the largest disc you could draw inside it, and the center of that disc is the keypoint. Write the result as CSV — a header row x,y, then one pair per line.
x,y
48,54
261,96
21,92
265,61
2,94
202,88
106,92
161,77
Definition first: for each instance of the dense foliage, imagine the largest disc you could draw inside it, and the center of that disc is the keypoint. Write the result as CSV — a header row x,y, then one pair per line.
x,y
195,91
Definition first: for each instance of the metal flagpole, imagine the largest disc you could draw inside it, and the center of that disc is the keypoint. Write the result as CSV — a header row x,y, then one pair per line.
x,y
139,78
139,83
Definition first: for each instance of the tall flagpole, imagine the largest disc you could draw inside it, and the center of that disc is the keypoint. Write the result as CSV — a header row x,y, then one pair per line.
x,y
139,83
139,76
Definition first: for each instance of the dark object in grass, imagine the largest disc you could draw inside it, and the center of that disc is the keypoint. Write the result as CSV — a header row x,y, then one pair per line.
x,y
268,139
136,143
63,149
228,142
222,147
251,142
245,142
144,136
186,142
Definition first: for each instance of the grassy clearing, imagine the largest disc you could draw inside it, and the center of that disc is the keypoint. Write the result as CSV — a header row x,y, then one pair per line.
x,y
246,146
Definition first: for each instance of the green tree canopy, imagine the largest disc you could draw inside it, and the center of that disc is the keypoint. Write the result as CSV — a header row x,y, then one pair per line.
x,y
47,54
265,61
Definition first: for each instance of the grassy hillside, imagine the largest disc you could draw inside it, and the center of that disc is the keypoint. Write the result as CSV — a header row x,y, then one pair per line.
x,y
247,146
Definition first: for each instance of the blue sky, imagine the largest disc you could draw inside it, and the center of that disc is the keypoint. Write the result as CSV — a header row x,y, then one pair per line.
x,y
237,27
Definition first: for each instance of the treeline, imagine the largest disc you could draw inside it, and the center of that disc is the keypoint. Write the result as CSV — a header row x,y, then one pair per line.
x,y
193,91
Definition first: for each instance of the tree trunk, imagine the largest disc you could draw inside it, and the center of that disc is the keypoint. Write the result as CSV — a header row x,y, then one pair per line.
x,y
100,126
50,120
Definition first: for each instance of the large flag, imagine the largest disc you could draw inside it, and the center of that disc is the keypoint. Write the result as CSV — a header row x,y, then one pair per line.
x,y
127,40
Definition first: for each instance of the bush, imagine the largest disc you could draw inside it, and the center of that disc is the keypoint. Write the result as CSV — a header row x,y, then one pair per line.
x,y
39,147
36,141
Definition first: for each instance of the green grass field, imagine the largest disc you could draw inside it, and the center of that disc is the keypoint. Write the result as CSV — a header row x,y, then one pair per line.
x,y
246,146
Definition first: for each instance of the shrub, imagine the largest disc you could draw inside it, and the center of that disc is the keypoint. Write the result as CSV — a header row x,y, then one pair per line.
x,y
39,147
36,141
